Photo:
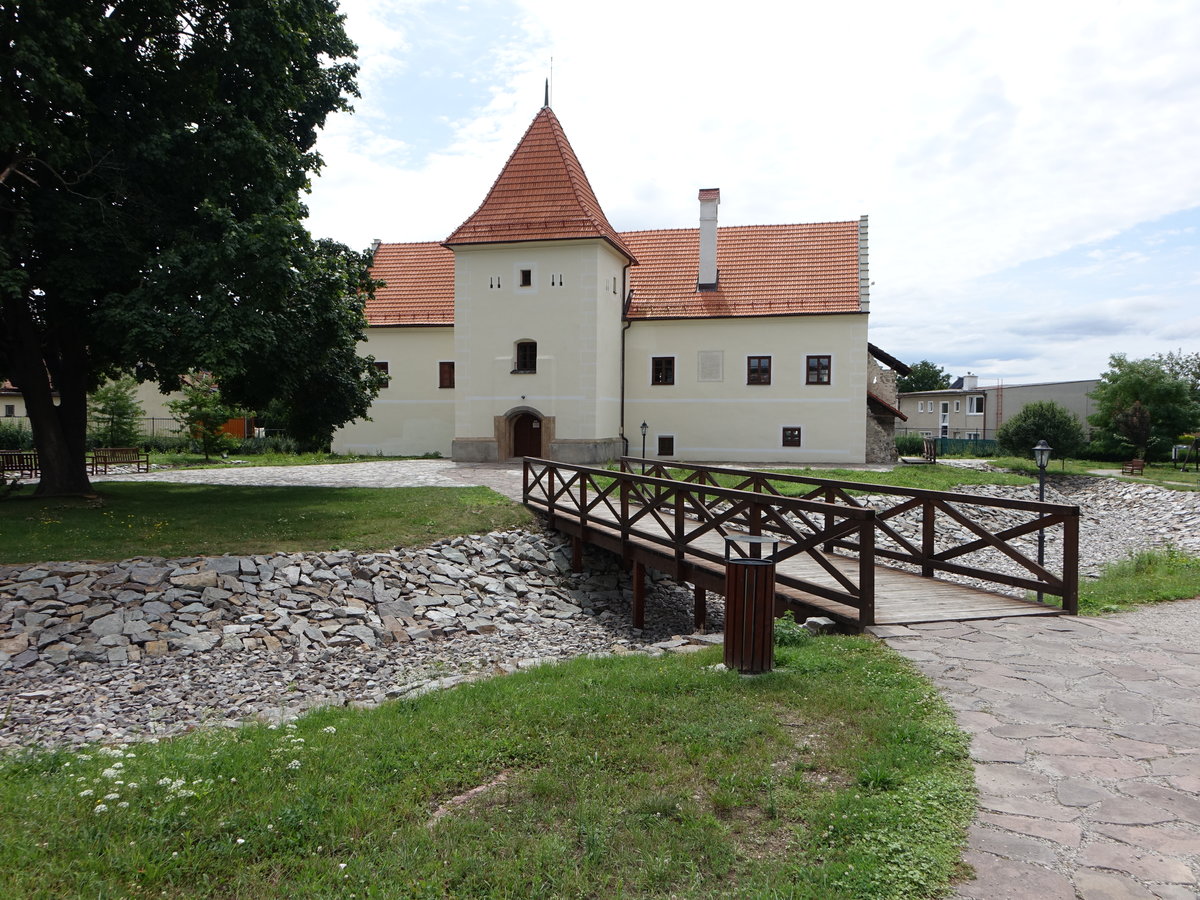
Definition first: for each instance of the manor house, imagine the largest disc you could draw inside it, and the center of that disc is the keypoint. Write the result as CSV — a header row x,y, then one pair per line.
x,y
538,329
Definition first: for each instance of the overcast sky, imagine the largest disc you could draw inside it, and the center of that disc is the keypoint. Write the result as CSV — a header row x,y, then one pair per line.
x,y
1031,169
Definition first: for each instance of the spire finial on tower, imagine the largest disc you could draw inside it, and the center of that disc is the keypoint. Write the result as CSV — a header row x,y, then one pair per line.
x,y
547,100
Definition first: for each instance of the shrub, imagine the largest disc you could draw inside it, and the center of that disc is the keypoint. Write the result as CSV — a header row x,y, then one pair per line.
x,y
910,444
1044,420
15,436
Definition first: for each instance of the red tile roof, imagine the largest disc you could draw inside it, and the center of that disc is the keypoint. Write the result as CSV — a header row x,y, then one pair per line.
x,y
418,288
762,270
541,194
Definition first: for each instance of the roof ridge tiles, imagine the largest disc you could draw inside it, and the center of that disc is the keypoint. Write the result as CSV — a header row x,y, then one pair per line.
x,y
528,201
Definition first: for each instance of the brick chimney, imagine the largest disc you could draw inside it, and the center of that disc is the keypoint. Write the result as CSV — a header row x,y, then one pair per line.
x,y
710,199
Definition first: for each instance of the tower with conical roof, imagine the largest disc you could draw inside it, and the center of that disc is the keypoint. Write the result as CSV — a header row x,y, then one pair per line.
x,y
539,283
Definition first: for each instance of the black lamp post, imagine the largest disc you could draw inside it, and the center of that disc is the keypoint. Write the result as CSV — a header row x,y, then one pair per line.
x,y
646,428
1041,455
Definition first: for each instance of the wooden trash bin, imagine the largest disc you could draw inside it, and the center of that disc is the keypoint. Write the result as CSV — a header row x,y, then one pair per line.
x,y
749,607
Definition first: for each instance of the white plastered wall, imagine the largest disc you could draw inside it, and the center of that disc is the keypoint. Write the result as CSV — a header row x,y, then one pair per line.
x,y
412,415
576,325
732,421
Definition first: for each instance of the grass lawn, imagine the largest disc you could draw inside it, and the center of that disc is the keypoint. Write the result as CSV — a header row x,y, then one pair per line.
x,y
928,478
1152,576
839,775
147,519
1162,474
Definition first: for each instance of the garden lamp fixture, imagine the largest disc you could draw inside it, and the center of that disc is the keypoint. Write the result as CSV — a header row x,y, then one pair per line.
x,y
1041,455
644,428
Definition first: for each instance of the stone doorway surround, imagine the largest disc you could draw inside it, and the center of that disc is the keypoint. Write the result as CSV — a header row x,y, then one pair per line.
x,y
506,428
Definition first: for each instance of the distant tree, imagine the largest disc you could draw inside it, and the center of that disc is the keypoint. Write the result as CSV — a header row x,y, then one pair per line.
x,y
1044,420
115,413
1142,408
924,376
202,413
1185,366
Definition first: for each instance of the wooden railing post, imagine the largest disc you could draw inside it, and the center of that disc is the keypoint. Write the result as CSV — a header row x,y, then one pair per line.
x,y
550,491
828,546
928,536
754,515
525,480
866,572
1070,565
680,533
625,506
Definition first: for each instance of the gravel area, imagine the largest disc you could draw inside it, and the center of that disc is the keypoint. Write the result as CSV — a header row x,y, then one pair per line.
x,y
152,646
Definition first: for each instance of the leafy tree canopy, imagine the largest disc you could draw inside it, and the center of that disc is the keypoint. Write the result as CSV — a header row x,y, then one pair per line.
x,y
1043,420
925,376
1142,407
152,156
1185,366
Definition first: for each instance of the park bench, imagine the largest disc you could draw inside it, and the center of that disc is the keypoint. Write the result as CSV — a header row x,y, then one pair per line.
x,y
22,463
1133,467
103,457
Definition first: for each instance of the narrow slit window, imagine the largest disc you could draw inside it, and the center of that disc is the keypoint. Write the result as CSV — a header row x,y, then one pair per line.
x,y
527,278
446,374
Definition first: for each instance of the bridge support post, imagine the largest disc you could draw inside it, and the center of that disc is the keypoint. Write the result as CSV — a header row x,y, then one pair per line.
x,y
639,595
576,555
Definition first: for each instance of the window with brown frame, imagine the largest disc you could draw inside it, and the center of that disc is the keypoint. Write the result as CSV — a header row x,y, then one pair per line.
x,y
666,445
758,370
446,374
526,357
383,367
791,436
527,278
819,369
662,370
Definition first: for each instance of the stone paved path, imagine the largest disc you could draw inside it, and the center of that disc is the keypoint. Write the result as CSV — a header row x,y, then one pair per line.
x,y
1086,741
504,478
1085,732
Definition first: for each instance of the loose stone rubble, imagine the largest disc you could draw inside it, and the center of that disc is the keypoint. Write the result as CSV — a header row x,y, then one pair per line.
x,y
148,646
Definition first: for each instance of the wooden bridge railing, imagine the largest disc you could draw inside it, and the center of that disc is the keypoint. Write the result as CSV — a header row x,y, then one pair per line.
x,y
674,515
930,553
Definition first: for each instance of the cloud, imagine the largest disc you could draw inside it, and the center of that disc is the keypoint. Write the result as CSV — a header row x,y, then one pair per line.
x,y
981,138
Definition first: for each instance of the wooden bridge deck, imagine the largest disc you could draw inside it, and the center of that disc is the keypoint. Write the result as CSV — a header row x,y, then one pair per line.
x,y
813,582
901,598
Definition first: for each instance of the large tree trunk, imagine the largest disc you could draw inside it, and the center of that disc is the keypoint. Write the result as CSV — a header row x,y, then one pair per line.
x,y
59,430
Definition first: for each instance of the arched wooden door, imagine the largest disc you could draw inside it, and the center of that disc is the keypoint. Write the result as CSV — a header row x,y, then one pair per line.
x,y
527,435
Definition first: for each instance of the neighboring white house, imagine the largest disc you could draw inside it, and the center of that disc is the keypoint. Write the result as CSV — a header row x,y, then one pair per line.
x,y
537,329
967,410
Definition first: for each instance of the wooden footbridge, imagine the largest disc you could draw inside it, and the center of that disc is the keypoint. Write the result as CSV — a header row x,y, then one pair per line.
x,y
837,556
